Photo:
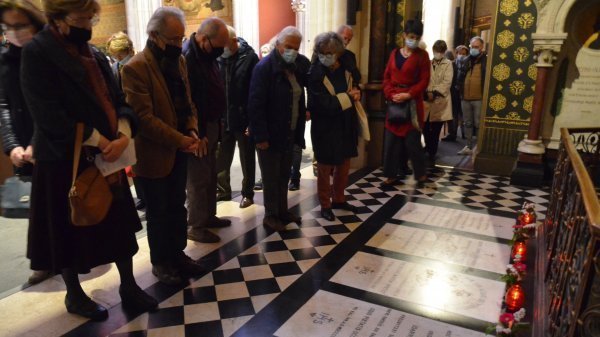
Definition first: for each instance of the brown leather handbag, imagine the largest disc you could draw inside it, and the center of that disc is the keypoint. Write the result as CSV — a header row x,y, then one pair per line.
x,y
90,196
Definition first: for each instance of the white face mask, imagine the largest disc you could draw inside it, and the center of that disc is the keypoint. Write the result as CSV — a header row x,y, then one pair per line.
x,y
19,37
461,57
327,59
226,53
438,56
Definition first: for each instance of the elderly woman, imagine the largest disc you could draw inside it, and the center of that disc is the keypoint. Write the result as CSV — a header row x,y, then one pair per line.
x,y
65,81
405,79
439,97
120,48
334,127
20,20
277,113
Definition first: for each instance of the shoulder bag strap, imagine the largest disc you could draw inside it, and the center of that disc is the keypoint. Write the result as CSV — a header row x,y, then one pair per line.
x,y
77,152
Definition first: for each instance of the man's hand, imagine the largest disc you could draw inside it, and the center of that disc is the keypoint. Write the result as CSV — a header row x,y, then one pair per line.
x,y
115,149
189,144
16,156
307,115
202,147
401,97
262,146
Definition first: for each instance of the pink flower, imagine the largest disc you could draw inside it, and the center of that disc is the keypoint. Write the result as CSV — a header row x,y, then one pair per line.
x,y
520,267
506,318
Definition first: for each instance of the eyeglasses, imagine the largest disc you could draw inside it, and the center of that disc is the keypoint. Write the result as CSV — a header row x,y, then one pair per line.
x,y
94,20
15,28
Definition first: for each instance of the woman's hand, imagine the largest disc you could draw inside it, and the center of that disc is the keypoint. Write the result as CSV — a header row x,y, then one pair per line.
x,y
354,94
16,156
401,97
115,149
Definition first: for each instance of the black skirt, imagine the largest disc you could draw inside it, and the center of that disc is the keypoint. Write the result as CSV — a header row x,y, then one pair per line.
x,y
54,243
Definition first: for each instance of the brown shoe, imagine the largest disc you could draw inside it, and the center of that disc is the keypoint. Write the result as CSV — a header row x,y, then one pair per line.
x,y
246,202
274,223
38,276
202,235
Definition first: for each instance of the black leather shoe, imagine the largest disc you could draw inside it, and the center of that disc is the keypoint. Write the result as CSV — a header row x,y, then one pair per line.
x,y
246,202
167,274
274,223
188,266
218,223
223,197
294,185
344,205
135,299
87,308
38,276
327,214
288,217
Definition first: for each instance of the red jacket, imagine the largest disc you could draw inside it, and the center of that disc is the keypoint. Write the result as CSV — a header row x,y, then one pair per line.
x,y
417,64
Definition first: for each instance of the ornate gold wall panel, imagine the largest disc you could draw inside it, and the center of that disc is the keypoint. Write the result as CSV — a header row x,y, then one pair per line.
x,y
512,80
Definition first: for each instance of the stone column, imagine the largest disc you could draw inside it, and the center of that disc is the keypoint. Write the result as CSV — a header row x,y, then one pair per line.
x,y
529,170
299,7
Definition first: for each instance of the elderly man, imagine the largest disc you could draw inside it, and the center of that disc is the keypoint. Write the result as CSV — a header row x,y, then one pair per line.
x,y
348,58
236,65
277,115
208,93
473,79
156,87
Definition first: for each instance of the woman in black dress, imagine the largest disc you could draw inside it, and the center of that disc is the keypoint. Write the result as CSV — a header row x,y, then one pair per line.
x,y
66,81
334,129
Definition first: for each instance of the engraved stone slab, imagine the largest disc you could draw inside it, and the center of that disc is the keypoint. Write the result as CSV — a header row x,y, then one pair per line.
x,y
477,223
331,315
427,285
483,255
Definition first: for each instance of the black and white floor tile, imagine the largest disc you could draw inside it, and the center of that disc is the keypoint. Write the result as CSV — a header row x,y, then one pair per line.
x,y
391,269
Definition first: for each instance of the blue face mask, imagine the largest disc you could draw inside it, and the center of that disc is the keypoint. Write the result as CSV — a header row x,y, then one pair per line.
x,y
412,43
474,52
289,55
327,59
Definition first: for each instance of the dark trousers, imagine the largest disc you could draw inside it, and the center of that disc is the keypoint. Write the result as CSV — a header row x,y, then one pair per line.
x,y
166,213
397,150
225,153
456,115
335,192
202,182
296,161
275,171
431,132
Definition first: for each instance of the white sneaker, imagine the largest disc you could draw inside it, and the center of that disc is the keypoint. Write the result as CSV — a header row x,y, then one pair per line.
x,y
465,151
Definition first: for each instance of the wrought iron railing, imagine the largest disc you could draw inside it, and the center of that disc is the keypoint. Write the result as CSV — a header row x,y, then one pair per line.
x,y
567,301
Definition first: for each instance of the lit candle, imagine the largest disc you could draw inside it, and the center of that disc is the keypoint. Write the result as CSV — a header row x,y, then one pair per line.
x,y
519,248
515,298
528,218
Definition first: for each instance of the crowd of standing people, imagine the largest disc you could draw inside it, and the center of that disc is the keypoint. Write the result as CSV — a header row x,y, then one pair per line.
x,y
185,107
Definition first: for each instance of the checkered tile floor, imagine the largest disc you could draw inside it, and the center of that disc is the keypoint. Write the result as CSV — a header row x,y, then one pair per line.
x,y
225,299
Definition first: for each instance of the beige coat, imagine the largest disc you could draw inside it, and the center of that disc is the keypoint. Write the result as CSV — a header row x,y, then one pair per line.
x,y
441,80
158,139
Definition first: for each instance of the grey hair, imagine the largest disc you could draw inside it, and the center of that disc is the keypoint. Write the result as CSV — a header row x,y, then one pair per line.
x,y
159,17
286,32
342,28
477,38
210,27
328,39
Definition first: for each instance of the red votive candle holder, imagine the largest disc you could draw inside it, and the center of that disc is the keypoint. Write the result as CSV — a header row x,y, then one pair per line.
x,y
515,298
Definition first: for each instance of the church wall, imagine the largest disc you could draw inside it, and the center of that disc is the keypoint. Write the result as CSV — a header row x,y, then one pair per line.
x,y
510,85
